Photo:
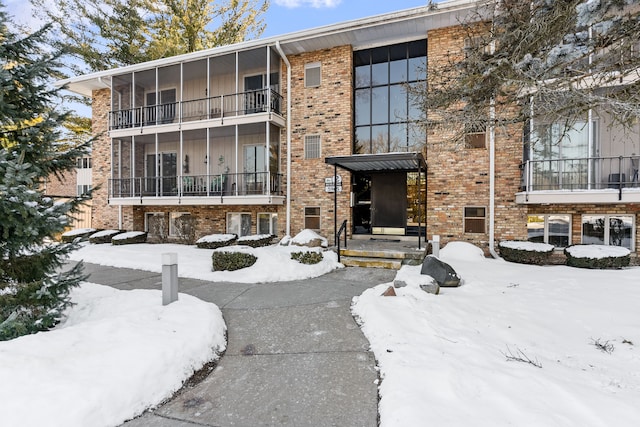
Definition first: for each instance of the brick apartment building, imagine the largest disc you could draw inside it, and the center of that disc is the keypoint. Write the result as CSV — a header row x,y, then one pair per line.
x,y
249,138
71,184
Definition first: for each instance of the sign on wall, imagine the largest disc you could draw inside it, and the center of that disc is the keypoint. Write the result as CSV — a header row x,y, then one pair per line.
x,y
328,184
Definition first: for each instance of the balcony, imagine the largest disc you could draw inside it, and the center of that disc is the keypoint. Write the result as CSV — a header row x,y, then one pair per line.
x,y
216,107
600,180
254,188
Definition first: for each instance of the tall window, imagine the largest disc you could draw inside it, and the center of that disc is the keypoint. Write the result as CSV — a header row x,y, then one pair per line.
x,y
312,218
312,146
383,109
312,75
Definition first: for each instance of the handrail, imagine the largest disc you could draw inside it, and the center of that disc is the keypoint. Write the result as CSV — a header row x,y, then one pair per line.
x,y
342,228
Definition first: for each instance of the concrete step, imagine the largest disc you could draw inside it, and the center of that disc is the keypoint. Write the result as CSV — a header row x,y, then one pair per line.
x,y
377,262
380,253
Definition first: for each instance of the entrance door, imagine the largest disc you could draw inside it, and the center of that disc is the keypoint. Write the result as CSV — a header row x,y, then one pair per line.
x,y
254,169
389,203
167,179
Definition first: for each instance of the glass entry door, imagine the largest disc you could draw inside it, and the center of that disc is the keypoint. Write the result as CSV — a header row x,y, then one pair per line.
x,y
255,175
165,184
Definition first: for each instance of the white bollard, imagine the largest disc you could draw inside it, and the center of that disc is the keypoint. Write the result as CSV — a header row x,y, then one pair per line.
x,y
169,278
435,246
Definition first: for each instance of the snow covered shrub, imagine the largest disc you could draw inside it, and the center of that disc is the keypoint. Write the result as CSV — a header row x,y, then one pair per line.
x,y
104,236
77,234
257,240
307,257
129,238
597,256
231,261
525,252
215,241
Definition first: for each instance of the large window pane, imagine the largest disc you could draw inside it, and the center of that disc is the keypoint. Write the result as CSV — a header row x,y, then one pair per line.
x,y
398,137
379,139
380,74
593,229
417,69
559,230
535,228
620,231
398,103
363,107
380,105
417,137
363,140
363,76
398,71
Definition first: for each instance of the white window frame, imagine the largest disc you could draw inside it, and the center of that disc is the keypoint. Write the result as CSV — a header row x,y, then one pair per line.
x,y
172,222
239,233
606,229
545,234
273,221
312,66
314,139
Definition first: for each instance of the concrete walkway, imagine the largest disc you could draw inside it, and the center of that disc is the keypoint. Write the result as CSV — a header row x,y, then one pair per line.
x,y
295,356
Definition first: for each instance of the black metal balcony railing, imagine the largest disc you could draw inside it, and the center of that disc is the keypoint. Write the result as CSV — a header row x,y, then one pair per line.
x,y
251,102
591,173
238,184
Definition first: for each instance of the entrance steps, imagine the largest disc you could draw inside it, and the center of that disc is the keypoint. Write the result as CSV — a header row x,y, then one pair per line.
x,y
380,258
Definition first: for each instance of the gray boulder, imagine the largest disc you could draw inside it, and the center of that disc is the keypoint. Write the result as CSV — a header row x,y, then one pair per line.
x,y
441,272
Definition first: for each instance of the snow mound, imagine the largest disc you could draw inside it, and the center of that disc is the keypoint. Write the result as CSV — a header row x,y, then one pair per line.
x,y
216,238
597,251
104,233
306,236
461,251
526,246
117,354
78,232
128,235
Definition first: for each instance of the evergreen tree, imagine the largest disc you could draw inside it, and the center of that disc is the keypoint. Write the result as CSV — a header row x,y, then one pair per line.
x,y
551,59
32,295
103,34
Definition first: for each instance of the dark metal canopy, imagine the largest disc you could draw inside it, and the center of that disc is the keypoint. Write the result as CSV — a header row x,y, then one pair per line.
x,y
408,162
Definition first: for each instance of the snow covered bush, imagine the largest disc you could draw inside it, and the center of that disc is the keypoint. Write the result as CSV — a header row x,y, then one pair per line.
x,y
103,236
525,252
309,238
130,237
307,257
597,256
77,234
231,261
215,241
256,241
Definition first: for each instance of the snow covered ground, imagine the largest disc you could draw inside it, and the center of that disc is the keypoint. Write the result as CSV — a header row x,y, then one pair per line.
x,y
195,263
450,359
117,354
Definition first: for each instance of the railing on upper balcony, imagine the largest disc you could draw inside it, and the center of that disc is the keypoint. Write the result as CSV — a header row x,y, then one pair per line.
x,y
238,184
251,102
591,173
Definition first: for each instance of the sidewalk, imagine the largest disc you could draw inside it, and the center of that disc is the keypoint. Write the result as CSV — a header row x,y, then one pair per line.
x,y
295,356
